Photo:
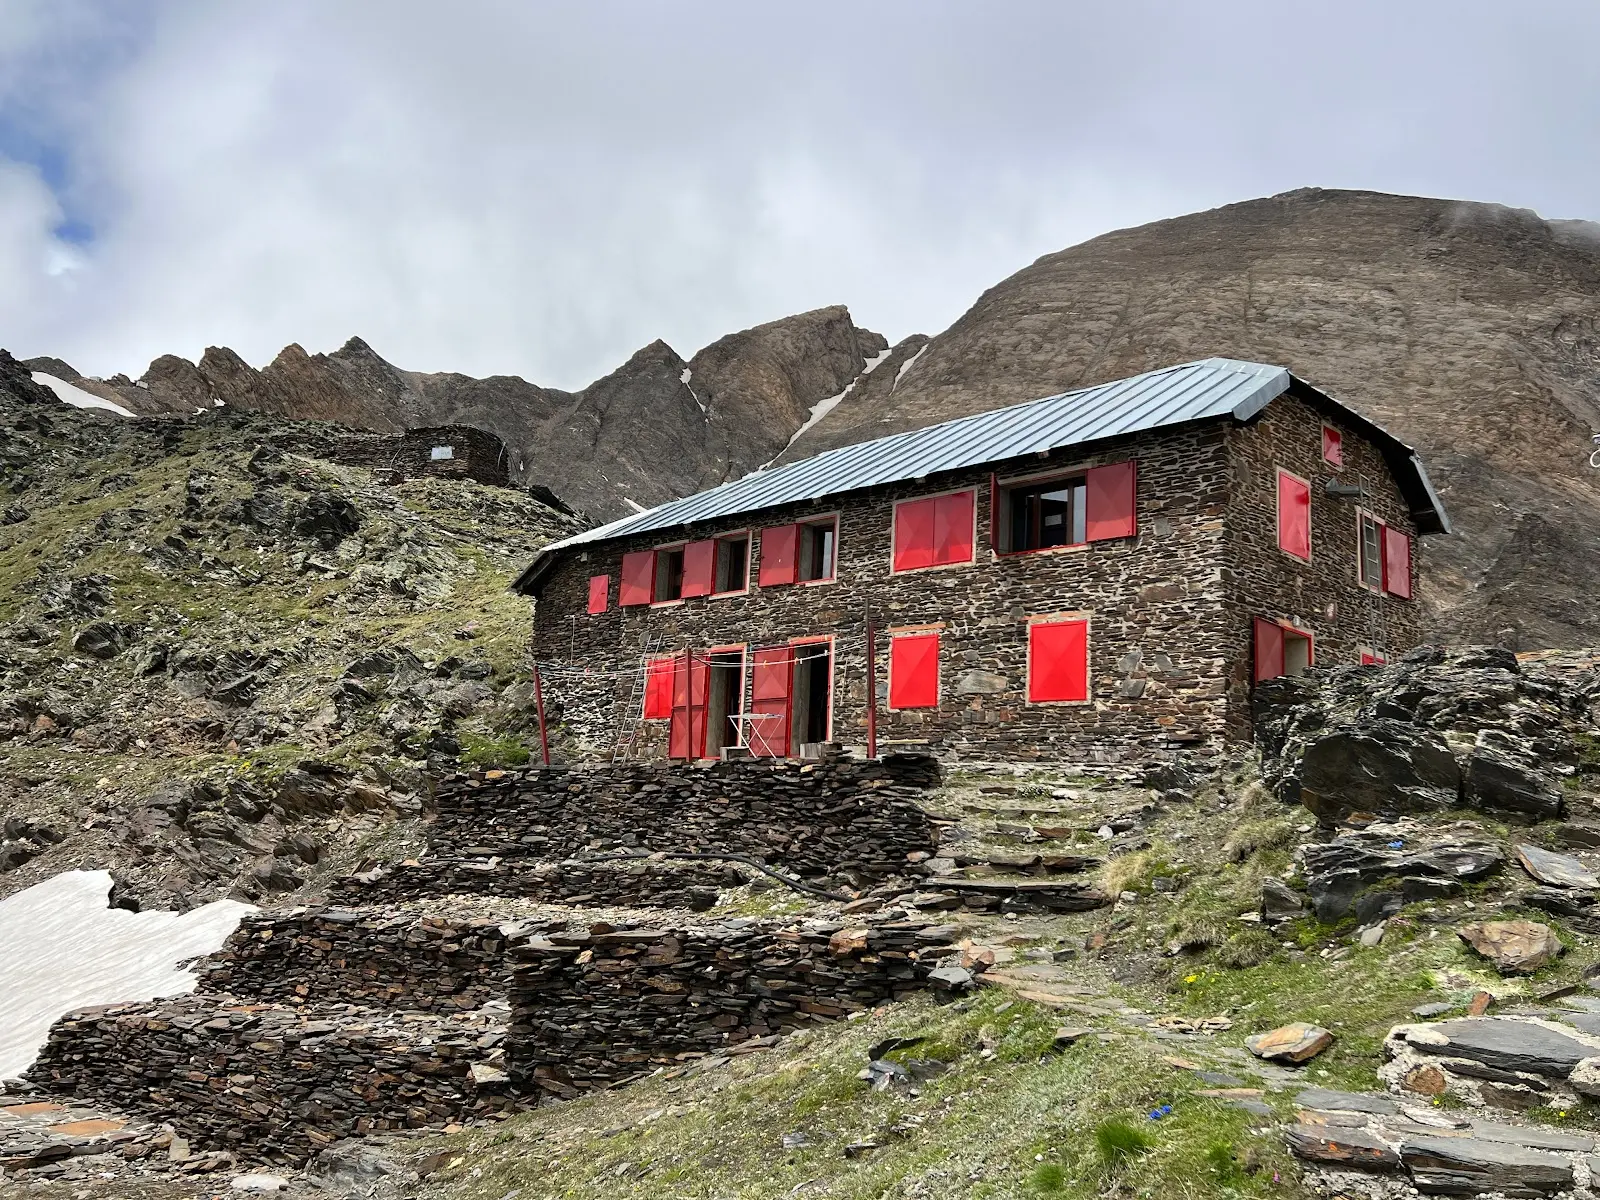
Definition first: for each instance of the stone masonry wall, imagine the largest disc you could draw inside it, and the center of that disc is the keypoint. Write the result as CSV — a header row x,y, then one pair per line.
x,y
330,954
592,1009
827,818
1322,596
647,883
1158,625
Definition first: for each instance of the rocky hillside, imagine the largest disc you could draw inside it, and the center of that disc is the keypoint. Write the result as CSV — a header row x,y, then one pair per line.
x,y
225,657
1470,330
656,428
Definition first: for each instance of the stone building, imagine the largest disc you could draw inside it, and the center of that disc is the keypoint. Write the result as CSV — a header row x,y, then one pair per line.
x,y
452,451
1096,576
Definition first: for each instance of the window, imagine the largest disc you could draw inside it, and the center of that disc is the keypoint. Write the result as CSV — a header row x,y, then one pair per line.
x,y
1294,515
699,568
669,575
599,589
658,689
1332,446
733,563
638,578
1369,553
816,549
1058,661
914,670
1280,649
933,532
778,547
1095,506
1372,658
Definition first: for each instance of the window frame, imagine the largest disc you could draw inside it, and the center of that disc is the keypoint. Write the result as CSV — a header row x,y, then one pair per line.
x,y
1086,618
830,641
998,524
748,537
801,526
1279,475
655,578
894,529
1363,516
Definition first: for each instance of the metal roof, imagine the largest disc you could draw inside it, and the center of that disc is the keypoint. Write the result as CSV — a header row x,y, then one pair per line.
x,y
1197,391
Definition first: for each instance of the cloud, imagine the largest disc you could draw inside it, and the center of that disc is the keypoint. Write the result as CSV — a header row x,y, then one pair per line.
x,y
540,189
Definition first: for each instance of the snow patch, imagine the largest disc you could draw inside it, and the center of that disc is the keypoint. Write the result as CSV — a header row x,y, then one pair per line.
x,y
635,505
684,379
76,396
874,361
907,365
63,949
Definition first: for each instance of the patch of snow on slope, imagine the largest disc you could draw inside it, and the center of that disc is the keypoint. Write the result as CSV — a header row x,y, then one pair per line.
x,y
907,365
635,505
684,379
76,396
823,407
62,949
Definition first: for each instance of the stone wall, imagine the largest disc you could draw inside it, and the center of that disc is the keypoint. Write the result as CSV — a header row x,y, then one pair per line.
x,y
1321,597
648,883
475,454
592,1009
330,954
839,817
276,1082
1156,604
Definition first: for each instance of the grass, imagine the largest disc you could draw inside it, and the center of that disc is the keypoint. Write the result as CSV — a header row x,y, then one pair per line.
x,y
1119,1143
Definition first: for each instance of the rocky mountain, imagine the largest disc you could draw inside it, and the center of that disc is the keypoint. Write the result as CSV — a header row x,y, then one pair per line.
x,y
1470,330
656,428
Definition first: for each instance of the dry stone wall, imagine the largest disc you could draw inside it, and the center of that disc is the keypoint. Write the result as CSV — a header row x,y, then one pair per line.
x,y
648,883
593,1008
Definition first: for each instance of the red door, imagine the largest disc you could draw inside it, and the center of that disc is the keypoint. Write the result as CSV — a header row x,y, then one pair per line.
x,y
688,729
771,684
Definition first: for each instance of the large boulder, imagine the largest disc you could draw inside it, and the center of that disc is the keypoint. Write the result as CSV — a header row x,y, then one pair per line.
x,y
1382,767
1506,774
1515,947
1373,872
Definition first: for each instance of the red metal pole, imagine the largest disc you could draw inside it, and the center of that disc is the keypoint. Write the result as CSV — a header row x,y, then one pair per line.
x,y
538,699
872,690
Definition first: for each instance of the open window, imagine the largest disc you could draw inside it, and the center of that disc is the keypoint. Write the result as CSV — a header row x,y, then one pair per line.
x,y
1383,557
817,548
1095,505
669,575
1280,649
1332,446
733,563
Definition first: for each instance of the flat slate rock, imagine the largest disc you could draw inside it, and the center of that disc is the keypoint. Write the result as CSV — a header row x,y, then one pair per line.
x,y
1557,870
1534,1137
1466,1166
1509,1044
1340,1147
1328,1100
1296,1043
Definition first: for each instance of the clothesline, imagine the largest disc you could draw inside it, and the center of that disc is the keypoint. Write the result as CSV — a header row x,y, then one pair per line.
x,y
555,671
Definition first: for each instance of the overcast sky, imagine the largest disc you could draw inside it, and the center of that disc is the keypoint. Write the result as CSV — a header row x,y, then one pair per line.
x,y
540,189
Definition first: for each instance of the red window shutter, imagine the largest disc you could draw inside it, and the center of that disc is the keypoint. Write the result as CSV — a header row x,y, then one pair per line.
x,y
658,689
952,528
638,578
1294,516
1058,661
913,534
1109,501
779,554
914,671
599,593
1332,446
1396,563
771,677
1269,649
994,512
1372,658
686,738
700,568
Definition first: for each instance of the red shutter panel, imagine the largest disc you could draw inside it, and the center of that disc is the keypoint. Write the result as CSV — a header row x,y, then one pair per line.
x,y
638,578
1332,446
687,736
913,534
771,673
952,527
1110,502
599,593
1269,649
1058,661
1372,658
700,568
1396,563
779,557
1294,516
994,512
914,671
658,689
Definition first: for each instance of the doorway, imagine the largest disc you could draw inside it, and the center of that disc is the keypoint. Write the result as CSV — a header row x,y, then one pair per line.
x,y
813,693
726,701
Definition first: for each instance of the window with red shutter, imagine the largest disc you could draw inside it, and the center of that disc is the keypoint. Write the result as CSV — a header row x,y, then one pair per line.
x,y
1294,516
638,578
700,568
771,684
658,689
914,670
599,593
1396,563
1372,658
1110,501
1332,446
779,558
1268,649
934,531
1058,661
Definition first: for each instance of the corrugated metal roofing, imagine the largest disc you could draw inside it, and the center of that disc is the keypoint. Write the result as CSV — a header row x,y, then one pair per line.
x,y
1210,388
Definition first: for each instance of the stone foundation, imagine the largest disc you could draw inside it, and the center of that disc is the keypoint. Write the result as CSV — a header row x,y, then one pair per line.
x,y
650,883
